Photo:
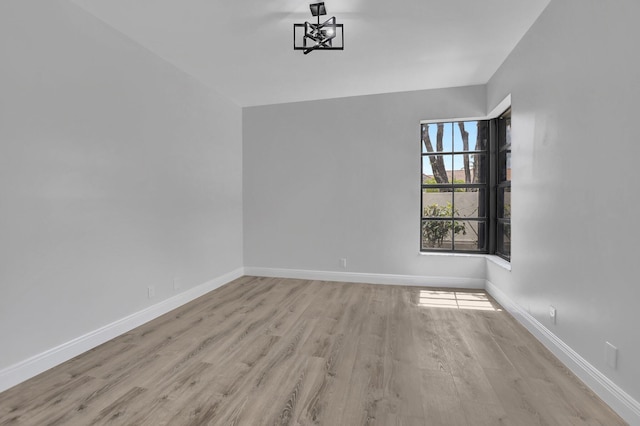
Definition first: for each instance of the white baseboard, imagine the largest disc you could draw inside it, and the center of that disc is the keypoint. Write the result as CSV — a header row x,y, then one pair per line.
x,y
359,277
620,401
37,364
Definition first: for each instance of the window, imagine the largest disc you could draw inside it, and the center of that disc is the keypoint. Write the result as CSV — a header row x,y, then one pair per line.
x,y
503,187
466,186
455,186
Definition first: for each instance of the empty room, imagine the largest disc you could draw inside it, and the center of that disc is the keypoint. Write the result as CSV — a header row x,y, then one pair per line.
x,y
319,213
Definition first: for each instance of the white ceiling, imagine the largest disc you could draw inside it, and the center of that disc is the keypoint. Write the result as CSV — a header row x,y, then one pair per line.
x,y
244,48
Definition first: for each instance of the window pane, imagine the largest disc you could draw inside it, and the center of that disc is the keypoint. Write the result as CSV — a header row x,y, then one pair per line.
x,y
470,168
480,142
465,139
437,137
427,171
508,132
470,202
504,202
447,137
436,202
436,234
479,168
469,235
423,142
504,128
504,166
503,243
436,168
463,166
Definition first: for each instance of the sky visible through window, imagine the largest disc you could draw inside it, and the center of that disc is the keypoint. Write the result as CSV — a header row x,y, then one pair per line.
x,y
452,140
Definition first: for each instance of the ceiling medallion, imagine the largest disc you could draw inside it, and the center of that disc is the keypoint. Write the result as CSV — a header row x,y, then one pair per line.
x,y
320,36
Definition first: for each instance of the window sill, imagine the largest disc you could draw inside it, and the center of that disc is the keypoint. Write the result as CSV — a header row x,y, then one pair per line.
x,y
496,260
449,254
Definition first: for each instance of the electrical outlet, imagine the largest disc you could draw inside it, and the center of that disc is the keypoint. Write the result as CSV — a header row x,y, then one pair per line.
x,y
343,262
552,314
611,355
151,291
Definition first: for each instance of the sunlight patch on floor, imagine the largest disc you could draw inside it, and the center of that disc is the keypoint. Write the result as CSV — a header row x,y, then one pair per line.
x,y
456,300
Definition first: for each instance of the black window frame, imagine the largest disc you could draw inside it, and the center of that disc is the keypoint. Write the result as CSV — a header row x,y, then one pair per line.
x,y
503,185
497,150
455,221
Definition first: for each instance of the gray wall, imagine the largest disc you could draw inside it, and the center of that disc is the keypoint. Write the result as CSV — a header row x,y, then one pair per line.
x,y
340,178
117,171
574,81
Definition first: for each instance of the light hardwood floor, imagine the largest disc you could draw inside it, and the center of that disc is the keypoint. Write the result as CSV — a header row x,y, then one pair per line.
x,y
266,351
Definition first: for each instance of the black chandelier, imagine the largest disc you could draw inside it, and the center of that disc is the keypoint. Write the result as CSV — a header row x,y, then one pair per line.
x,y
320,36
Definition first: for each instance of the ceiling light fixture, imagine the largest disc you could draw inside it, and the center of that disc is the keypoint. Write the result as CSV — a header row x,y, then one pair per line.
x,y
320,36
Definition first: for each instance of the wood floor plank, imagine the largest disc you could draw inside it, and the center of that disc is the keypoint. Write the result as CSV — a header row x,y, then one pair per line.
x,y
53,403
469,377
280,370
440,400
329,406
265,351
483,414
366,384
429,346
518,400
390,419
402,387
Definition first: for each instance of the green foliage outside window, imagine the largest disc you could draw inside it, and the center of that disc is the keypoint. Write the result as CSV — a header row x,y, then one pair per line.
x,y
435,231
